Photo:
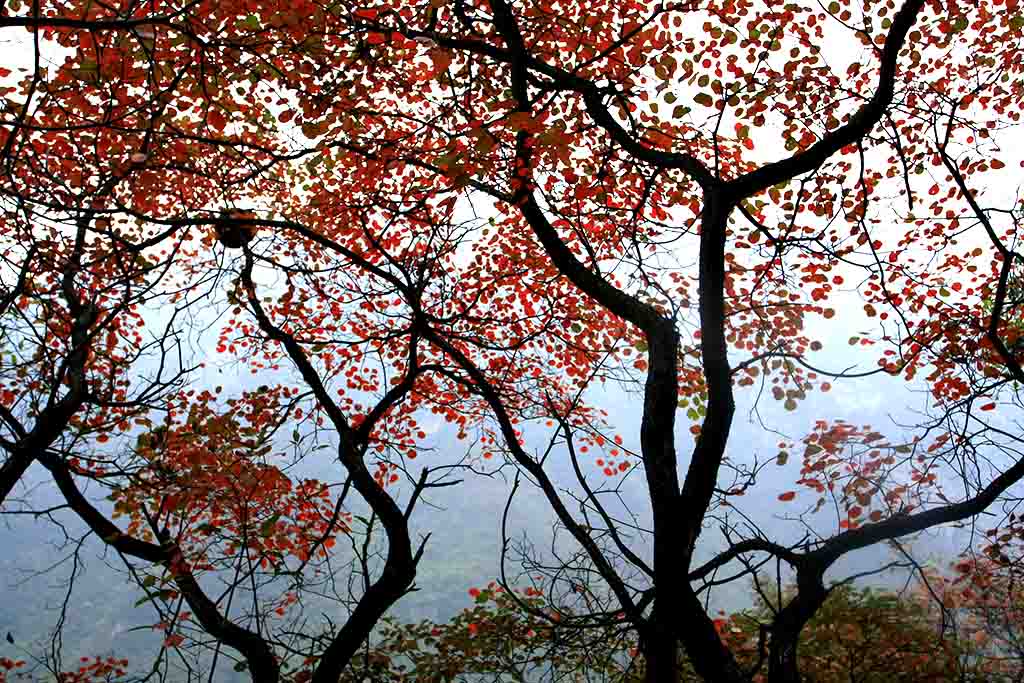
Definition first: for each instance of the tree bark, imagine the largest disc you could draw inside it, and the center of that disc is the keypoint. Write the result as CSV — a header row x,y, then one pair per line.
x,y
783,664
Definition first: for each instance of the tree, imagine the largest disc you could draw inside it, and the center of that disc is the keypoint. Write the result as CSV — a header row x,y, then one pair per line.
x,y
979,605
496,638
860,635
481,211
869,636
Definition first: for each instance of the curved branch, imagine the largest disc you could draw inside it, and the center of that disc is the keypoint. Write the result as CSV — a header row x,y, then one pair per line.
x,y
859,125
902,525
482,385
257,652
752,545
399,569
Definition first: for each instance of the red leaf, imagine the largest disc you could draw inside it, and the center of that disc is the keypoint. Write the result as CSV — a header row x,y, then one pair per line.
x,y
216,119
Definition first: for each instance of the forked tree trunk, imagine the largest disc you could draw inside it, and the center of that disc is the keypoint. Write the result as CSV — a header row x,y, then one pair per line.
x,y
688,630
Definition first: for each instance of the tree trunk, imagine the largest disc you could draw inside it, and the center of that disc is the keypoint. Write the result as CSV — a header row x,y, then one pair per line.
x,y
782,662
661,654
783,665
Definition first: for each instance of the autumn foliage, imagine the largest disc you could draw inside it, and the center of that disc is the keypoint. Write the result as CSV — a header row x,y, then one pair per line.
x,y
256,256
859,634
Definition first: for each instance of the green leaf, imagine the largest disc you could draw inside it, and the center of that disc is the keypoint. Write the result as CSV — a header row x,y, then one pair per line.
x,y
164,595
269,525
703,99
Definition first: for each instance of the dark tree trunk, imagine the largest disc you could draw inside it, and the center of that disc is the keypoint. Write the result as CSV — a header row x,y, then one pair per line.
x,y
661,648
783,664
